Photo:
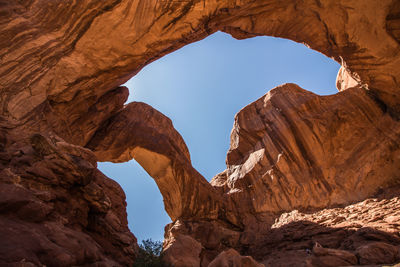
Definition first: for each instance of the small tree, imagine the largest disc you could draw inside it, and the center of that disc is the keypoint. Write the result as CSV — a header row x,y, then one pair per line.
x,y
149,254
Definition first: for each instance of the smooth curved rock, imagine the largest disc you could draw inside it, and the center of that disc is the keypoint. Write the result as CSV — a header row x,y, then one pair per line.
x,y
141,132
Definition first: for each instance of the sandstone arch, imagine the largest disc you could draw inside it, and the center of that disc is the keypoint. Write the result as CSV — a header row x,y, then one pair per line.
x,y
62,63
112,40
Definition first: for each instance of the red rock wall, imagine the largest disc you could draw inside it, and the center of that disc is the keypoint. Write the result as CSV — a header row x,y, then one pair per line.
x,y
62,63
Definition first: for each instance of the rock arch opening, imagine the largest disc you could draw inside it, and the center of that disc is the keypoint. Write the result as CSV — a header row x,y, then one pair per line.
x,y
200,88
62,64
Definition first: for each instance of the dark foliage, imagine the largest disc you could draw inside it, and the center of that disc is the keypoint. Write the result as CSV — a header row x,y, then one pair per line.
x,y
150,254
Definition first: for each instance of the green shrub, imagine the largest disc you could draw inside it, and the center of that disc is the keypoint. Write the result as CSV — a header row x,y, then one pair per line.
x,y
150,254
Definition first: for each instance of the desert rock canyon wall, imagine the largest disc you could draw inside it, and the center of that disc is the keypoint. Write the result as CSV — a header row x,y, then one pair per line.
x,y
310,180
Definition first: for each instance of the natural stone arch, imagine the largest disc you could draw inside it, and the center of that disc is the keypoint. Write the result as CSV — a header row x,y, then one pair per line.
x,y
142,133
62,63
113,40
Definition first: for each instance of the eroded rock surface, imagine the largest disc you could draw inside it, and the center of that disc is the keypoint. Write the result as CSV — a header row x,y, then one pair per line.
x,y
59,58
56,208
364,233
292,149
62,63
138,131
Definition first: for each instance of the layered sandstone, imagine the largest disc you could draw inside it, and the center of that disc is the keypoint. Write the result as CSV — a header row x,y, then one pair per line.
x,y
292,149
59,58
56,208
138,131
364,233
62,63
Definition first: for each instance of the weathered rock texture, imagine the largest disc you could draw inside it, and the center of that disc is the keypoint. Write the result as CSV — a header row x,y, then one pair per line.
x,y
138,131
62,63
56,208
292,149
363,233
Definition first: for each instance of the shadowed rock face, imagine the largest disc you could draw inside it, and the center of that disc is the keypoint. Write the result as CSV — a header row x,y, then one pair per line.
x,y
56,207
62,63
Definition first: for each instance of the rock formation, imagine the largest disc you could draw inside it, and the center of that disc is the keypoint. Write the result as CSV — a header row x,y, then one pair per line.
x,y
361,233
62,110
139,131
56,208
292,149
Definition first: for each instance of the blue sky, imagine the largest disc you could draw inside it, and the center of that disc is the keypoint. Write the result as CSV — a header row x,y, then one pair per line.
x,y
200,88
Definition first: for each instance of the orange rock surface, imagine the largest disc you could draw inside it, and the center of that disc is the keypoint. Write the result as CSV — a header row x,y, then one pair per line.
x,y
62,110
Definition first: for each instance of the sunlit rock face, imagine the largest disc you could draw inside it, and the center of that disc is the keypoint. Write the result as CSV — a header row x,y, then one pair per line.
x,y
292,149
141,132
344,80
62,63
